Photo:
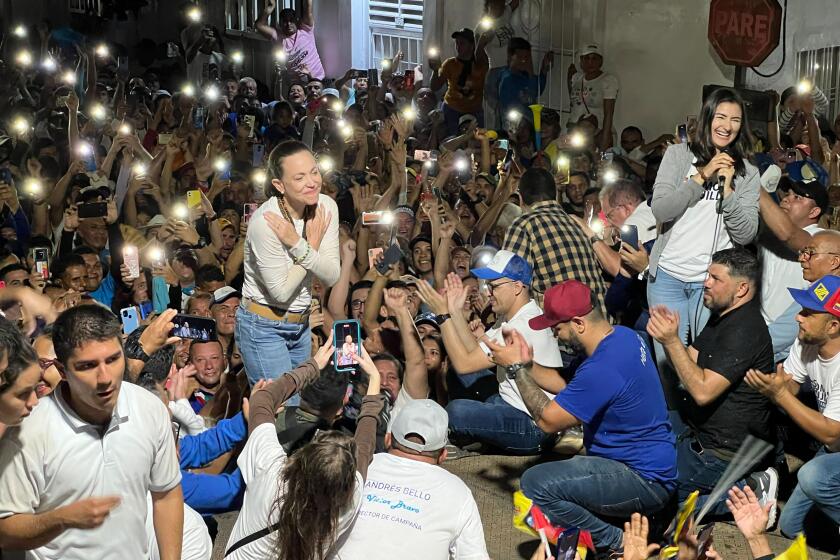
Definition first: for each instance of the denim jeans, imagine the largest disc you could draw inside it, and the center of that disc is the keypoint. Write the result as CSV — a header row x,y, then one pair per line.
x,y
819,485
496,423
271,348
783,331
574,492
686,298
698,469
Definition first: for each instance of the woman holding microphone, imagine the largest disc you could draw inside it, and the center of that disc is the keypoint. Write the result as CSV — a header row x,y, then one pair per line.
x,y
705,199
291,237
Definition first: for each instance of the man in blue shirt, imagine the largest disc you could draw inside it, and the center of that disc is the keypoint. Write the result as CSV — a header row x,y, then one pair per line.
x,y
518,86
631,461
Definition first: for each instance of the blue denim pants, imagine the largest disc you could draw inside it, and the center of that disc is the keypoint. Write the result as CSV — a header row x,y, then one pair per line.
x,y
819,486
686,298
270,348
496,423
575,492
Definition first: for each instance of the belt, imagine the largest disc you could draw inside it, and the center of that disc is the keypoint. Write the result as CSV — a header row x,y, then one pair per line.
x,y
276,314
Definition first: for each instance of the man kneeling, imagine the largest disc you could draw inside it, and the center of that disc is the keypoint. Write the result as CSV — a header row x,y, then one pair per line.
x,y
631,461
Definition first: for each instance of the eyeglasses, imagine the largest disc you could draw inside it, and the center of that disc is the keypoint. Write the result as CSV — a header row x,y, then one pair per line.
x,y
611,212
809,252
357,303
492,287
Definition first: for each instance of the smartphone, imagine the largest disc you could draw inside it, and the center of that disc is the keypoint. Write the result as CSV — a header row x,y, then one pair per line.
x,y
432,162
376,218
408,80
607,156
131,258
373,254
194,327
251,121
392,254
682,133
41,257
567,544
130,317
5,176
704,540
506,163
564,170
630,234
257,155
422,155
163,139
198,117
373,77
248,210
146,309
193,199
93,210
347,336
89,159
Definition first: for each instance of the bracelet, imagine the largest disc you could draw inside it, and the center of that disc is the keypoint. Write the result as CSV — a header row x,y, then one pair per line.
x,y
297,260
594,239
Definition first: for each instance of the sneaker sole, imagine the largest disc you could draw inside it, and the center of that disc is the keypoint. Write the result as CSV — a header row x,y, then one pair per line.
x,y
773,492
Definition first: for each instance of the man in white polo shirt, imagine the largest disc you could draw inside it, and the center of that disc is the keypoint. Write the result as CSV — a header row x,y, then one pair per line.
x,y
76,473
814,365
413,508
503,421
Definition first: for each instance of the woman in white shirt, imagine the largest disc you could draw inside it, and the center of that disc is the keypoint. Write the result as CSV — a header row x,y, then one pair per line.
x,y
291,237
697,218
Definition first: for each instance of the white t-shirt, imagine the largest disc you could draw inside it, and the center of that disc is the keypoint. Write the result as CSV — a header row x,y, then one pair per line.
x,y
414,510
497,48
688,254
820,375
588,96
780,270
261,464
642,217
403,398
196,544
268,263
54,458
546,350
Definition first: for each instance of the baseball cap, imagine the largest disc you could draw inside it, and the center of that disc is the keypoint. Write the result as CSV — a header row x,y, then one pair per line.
x,y
465,33
460,248
225,293
427,319
505,265
224,223
806,170
590,48
823,295
330,91
561,303
156,221
814,190
466,119
424,418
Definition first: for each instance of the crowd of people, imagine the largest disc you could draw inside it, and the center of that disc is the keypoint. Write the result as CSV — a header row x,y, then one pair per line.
x,y
297,296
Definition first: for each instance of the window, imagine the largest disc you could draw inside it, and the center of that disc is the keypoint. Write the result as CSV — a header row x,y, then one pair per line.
x,y
823,66
93,7
241,15
396,25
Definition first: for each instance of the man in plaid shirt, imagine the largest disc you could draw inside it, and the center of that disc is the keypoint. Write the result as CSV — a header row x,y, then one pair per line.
x,y
550,241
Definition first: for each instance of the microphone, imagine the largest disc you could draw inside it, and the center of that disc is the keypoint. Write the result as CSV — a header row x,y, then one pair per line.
x,y
721,180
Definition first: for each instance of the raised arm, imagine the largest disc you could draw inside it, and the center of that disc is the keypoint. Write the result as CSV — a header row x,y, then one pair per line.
x,y
416,379
780,224
368,419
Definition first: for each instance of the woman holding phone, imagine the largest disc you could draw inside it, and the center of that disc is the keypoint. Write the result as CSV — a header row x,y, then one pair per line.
x,y
292,238
705,199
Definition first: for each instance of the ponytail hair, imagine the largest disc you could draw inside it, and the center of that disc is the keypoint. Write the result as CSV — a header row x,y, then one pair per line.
x,y
275,171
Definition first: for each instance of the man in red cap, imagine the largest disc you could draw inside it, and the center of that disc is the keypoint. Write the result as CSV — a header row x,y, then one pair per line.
x,y
631,463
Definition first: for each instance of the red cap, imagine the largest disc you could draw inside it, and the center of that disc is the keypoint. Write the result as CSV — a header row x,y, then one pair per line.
x,y
563,302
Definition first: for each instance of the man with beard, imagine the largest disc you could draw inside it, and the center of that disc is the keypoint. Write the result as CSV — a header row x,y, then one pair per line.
x,y
210,364
718,406
225,302
630,464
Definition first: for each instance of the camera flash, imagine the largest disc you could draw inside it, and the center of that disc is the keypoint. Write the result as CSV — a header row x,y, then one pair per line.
x,y
259,177
804,86
20,125
486,22
180,211
386,63
156,254
32,186
97,111
188,90
102,50
84,149
139,169
461,165
433,52
20,31
211,93
514,116
24,58
563,162
49,64
610,176
69,77
237,57
194,14
409,113
280,55
326,164
125,130
387,218
577,140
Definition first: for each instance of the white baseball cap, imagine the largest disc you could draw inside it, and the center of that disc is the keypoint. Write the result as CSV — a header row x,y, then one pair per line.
x,y
589,48
424,418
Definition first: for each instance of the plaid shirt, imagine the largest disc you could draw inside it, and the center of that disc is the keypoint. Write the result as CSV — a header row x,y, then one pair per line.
x,y
555,247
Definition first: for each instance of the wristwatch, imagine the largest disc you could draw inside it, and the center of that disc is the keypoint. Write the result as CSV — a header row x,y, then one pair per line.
x,y
134,351
441,319
594,239
512,370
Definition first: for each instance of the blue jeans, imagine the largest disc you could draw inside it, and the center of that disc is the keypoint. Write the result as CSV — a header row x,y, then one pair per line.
x,y
686,298
698,468
271,348
496,423
819,485
574,492
783,331
451,117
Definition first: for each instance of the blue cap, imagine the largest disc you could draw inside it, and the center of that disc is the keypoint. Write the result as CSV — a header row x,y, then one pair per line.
x,y
823,295
505,265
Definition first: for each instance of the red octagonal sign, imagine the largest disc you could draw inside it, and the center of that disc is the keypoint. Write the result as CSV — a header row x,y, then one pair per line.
x,y
744,32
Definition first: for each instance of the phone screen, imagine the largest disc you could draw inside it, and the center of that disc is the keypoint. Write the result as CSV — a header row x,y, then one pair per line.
x,y
682,132
347,338
194,327
630,235
704,540
567,544
93,210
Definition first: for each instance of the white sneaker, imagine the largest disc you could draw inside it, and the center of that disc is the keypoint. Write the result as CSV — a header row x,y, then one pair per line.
x,y
766,488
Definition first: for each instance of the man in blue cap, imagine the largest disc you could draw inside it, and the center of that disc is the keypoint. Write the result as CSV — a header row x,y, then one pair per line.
x,y
503,421
814,362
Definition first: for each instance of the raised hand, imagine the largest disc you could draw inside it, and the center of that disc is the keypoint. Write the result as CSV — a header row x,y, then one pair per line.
x,y
636,539
430,296
325,352
282,228
456,295
395,300
316,228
